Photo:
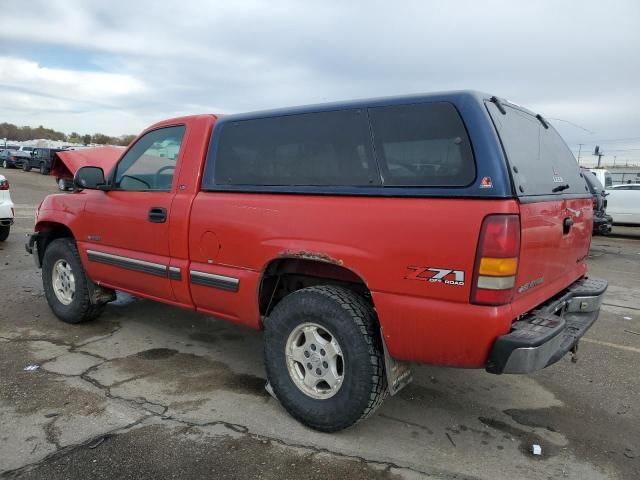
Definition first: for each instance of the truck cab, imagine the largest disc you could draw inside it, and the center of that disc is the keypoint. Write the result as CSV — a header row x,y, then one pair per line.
x,y
449,229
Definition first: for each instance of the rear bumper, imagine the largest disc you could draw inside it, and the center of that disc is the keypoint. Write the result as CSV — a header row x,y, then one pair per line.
x,y
602,223
545,335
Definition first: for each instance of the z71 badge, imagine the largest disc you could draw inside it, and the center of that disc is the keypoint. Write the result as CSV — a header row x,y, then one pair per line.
x,y
436,275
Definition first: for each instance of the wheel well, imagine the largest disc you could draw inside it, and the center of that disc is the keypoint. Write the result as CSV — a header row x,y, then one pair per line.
x,y
49,231
285,275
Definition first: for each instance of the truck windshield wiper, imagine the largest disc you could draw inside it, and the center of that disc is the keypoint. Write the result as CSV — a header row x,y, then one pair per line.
x,y
542,121
560,188
498,103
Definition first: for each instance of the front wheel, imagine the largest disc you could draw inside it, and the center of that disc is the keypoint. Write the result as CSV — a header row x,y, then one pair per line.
x,y
4,232
5,164
323,357
26,166
65,283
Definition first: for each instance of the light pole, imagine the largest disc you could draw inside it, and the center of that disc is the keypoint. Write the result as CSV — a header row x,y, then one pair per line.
x,y
599,154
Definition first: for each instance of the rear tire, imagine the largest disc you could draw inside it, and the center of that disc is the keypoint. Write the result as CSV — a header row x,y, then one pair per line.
x,y
4,232
43,169
339,315
66,284
5,164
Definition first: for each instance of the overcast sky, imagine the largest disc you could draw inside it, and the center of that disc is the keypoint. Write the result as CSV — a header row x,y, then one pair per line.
x,y
117,66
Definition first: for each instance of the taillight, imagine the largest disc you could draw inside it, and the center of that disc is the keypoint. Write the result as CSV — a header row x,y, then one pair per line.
x,y
4,184
494,276
594,203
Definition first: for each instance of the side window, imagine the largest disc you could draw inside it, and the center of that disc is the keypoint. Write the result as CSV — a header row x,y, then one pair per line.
x,y
422,145
151,163
310,149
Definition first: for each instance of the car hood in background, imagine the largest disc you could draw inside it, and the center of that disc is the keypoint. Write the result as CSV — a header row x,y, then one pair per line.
x,y
67,162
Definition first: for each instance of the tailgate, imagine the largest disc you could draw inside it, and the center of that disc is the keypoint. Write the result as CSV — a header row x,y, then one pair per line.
x,y
556,213
554,243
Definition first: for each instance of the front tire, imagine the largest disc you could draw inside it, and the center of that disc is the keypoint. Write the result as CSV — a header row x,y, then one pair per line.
x,y
65,283
323,357
4,232
26,167
5,164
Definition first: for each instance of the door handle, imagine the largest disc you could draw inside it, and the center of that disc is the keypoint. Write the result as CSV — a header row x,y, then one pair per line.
x,y
157,215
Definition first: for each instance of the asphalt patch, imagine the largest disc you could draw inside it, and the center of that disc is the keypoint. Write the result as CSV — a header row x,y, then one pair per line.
x,y
185,372
186,453
31,392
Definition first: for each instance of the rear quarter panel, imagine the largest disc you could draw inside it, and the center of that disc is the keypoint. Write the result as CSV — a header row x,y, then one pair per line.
x,y
385,241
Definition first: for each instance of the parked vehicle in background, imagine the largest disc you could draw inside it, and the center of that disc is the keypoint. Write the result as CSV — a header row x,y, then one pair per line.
x,y
41,159
15,158
6,209
449,229
624,203
626,186
601,221
7,157
603,176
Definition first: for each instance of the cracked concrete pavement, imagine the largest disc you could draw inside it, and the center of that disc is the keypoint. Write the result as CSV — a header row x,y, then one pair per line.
x,y
151,391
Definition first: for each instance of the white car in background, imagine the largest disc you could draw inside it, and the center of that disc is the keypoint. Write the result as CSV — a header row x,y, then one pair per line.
x,y
6,209
623,203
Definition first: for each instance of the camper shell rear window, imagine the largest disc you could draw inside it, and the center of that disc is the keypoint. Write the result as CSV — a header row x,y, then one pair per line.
x,y
540,161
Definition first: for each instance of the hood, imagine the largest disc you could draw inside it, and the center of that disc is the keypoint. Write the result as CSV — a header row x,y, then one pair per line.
x,y
67,162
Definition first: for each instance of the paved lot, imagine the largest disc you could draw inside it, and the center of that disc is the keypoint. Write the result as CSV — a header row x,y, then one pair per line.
x,y
150,391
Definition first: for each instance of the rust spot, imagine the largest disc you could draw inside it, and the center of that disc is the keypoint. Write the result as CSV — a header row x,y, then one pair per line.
x,y
317,256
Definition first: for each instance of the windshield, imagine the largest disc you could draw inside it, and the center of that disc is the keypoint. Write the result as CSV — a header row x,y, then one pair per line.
x,y
540,161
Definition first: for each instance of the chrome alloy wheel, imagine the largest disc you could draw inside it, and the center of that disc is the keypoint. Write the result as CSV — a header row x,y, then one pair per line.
x,y
315,361
63,281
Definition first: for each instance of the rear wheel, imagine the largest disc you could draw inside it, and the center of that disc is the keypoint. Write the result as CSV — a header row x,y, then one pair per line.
x,y
62,185
65,283
4,232
43,169
323,357
5,164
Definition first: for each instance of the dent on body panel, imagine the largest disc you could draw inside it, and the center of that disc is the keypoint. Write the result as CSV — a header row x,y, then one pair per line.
x,y
60,208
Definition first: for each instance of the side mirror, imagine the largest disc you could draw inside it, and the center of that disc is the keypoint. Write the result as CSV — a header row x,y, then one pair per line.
x,y
91,178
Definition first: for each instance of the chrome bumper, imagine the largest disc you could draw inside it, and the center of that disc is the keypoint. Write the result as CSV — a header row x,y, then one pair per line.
x,y
545,335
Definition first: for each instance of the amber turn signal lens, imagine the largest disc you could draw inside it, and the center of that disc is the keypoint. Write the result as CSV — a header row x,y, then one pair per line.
x,y
498,267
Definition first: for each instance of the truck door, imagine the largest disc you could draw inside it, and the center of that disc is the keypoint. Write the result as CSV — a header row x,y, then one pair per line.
x,y
125,230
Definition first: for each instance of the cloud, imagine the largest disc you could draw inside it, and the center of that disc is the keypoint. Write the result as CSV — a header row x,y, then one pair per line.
x,y
91,88
577,62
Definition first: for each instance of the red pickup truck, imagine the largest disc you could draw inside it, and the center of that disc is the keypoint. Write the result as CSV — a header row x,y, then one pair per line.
x,y
449,229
